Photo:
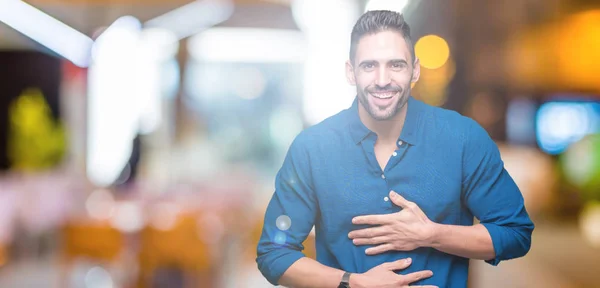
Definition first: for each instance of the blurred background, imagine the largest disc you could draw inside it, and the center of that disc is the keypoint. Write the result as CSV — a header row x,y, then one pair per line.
x,y
139,140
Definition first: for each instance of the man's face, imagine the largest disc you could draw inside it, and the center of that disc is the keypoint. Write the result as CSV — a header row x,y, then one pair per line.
x,y
382,73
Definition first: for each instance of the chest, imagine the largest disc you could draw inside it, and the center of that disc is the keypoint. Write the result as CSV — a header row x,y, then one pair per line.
x,y
383,153
359,184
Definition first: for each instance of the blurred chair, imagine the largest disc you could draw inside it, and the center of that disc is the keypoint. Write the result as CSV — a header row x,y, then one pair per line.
x,y
179,247
3,254
97,241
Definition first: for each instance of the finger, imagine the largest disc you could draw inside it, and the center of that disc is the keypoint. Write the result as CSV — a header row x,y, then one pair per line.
x,y
416,276
371,241
379,249
399,200
368,232
426,286
372,219
399,264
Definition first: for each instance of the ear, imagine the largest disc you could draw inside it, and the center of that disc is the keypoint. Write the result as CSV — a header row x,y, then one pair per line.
x,y
350,73
416,71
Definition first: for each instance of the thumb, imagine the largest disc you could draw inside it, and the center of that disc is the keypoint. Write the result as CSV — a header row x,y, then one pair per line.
x,y
398,200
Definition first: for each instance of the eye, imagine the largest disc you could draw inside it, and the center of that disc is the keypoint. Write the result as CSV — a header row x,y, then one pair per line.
x,y
398,66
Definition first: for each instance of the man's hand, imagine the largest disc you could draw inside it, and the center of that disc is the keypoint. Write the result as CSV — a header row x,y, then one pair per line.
x,y
406,230
383,276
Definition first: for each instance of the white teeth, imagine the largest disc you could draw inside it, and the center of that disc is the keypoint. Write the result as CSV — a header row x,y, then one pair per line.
x,y
385,95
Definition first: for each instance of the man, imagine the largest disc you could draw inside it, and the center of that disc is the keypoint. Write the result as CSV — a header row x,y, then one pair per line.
x,y
391,184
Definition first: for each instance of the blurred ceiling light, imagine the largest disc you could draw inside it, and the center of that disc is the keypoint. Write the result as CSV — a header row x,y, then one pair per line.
x,y
113,117
432,51
126,22
158,43
248,45
46,30
125,28
193,17
392,5
315,17
327,26
157,47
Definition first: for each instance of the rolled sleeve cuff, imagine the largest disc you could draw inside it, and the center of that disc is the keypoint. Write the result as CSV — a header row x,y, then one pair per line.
x,y
275,268
496,234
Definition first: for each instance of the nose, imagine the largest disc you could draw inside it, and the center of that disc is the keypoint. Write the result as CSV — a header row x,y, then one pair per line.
x,y
383,77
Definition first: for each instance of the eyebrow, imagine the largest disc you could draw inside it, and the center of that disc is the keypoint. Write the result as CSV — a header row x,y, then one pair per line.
x,y
365,62
393,61
399,61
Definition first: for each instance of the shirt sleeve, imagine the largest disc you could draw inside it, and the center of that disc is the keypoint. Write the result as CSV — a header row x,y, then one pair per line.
x,y
290,215
493,197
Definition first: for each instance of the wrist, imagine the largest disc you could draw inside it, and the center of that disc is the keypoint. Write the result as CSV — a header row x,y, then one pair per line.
x,y
435,230
356,280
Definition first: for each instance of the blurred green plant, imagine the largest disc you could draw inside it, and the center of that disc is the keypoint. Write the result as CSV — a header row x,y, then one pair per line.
x,y
580,164
36,141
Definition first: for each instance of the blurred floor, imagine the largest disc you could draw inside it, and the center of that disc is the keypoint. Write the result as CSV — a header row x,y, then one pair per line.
x,y
559,258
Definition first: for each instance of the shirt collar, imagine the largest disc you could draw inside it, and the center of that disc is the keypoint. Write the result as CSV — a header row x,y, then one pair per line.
x,y
412,123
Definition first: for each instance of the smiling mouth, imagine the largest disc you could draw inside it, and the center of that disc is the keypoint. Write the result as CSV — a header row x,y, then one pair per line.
x,y
384,95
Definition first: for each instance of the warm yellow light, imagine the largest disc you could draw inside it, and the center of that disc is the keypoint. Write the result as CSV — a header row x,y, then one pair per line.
x,y
432,51
560,55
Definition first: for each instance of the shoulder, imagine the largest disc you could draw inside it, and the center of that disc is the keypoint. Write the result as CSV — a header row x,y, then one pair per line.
x,y
449,123
320,133
454,126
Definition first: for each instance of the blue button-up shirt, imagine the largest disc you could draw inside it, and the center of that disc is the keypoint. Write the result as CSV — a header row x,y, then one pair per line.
x,y
444,162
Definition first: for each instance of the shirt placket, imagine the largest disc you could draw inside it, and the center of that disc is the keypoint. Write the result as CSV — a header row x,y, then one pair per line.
x,y
369,149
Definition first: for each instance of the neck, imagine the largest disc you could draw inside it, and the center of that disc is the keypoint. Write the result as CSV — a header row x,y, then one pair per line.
x,y
388,131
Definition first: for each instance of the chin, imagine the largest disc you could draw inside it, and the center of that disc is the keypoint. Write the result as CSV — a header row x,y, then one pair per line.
x,y
382,115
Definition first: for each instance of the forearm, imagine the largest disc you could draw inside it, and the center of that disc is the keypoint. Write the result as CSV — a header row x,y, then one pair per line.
x,y
473,242
309,273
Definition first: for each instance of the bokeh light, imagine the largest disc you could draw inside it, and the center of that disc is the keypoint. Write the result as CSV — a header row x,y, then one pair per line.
x,y
589,222
432,51
164,216
560,124
98,277
581,165
280,238
100,204
128,217
283,222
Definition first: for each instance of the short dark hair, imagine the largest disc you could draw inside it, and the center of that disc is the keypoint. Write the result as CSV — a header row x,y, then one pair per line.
x,y
375,21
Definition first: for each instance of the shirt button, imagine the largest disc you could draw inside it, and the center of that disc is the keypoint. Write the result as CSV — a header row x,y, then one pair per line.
x,y
400,143
382,176
395,154
386,199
